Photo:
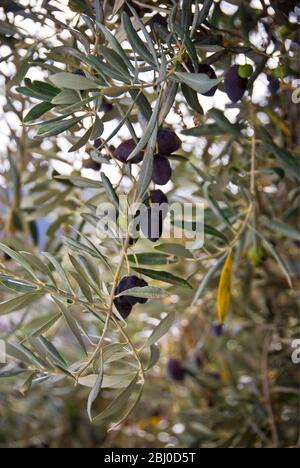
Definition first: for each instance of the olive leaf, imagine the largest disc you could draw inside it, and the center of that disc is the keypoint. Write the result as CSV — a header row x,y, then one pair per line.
x,y
72,81
20,302
224,290
165,277
96,388
161,329
147,292
198,81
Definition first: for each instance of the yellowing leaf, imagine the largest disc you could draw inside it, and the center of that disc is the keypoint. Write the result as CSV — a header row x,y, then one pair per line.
x,y
224,291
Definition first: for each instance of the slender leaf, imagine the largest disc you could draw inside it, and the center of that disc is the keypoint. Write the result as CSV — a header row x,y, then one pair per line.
x,y
72,81
147,292
37,111
162,328
71,323
164,276
20,302
119,402
197,81
96,388
224,290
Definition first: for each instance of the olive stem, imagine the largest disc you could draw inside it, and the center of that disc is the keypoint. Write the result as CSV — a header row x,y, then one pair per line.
x,y
110,308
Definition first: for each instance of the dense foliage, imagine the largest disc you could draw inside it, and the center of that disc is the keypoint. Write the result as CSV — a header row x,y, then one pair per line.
x,y
155,102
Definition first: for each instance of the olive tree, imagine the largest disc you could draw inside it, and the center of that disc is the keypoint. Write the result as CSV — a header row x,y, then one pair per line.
x,y
113,113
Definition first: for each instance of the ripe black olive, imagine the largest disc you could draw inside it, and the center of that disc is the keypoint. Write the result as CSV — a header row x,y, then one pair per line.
x,y
235,86
106,106
217,329
124,304
162,171
205,69
157,197
210,72
152,215
91,164
175,370
79,72
167,141
125,149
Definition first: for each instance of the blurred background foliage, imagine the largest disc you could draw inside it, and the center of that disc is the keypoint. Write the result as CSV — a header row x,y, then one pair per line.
x,y
235,387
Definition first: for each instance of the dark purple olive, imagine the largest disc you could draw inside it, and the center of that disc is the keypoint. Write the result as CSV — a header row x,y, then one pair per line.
x,y
205,69
157,197
124,304
167,141
98,143
157,19
91,164
125,149
152,224
106,106
274,84
175,370
235,86
217,329
162,170
152,215
79,72
210,72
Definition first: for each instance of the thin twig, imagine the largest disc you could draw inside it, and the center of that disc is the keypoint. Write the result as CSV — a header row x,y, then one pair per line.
x,y
110,309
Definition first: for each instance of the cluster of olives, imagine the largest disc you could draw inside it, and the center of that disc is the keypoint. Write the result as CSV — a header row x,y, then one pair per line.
x,y
167,144
124,304
155,205
154,208
236,79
